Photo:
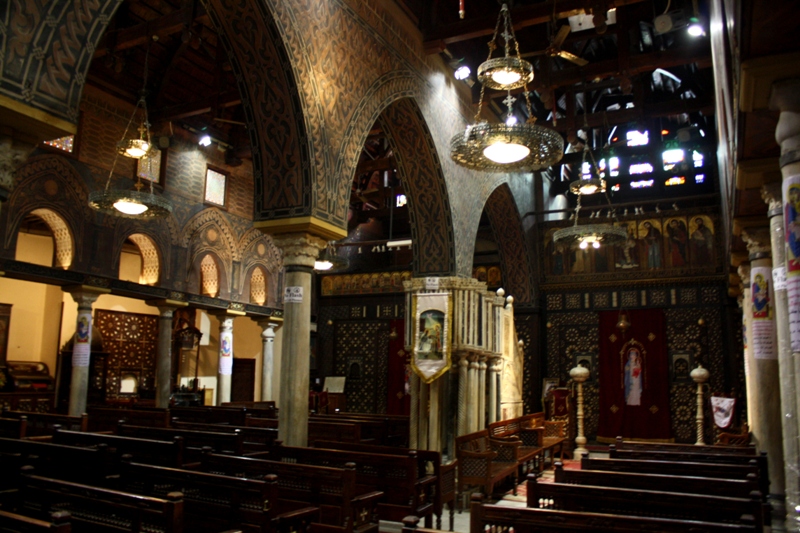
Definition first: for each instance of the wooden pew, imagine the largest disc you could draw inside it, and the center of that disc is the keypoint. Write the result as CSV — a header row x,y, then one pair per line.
x,y
216,503
234,416
485,461
95,509
58,522
715,458
13,428
155,452
395,432
255,439
41,424
622,444
193,441
317,429
496,518
445,474
52,460
671,467
406,492
333,490
264,409
106,419
612,500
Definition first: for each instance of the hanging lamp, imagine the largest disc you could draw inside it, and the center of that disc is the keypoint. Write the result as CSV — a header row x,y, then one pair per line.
x,y
136,203
508,146
329,259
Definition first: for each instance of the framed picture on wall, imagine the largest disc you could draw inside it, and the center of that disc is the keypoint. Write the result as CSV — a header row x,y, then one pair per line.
x,y
549,384
586,360
680,364
5,319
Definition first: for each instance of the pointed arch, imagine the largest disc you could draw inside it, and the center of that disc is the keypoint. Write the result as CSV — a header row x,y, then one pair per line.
x,y
512,244
209,275
64,244
151,258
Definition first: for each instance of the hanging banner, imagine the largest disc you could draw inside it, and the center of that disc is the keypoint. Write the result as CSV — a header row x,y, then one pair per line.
x,y
226,353
763,330
723,410
791,219
432,335
82,348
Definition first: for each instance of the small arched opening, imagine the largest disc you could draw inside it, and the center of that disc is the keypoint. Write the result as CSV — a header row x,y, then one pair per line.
x,y
45,239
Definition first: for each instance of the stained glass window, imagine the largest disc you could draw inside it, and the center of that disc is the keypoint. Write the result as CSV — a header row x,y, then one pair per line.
x,y
216,183
63,143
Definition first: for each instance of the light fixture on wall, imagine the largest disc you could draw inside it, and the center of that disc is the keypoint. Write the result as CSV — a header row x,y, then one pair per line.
x,y
329,259
508,146
134,203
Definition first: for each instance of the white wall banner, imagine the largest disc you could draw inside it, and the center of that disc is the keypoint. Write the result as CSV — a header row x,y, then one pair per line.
x,y
432,335
791,219
226,353
82,348
763,330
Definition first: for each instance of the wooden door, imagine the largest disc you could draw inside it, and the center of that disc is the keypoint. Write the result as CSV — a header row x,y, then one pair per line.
x,y
243,380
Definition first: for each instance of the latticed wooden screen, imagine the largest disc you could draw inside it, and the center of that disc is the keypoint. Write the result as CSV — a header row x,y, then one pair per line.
x,y
131,342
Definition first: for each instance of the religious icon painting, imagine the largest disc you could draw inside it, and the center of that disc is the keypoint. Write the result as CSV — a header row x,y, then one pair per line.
x,y
432,335
676,237
650,236
701,240
632,363
680,366
791,220
625,253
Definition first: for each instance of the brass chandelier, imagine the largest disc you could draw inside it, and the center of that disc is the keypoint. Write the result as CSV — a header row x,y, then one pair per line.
x,y
136,203
508,146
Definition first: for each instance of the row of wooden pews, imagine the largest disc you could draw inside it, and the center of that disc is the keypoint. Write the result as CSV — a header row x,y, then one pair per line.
x,y
222,475
641,487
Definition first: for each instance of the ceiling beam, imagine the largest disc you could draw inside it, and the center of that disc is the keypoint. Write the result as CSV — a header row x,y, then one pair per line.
x,y
661,109
522,17
198,107
177,21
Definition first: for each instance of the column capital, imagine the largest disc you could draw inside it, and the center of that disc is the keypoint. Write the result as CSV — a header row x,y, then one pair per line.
x,y
267,322
744,274
785,95
85,295
299,249
772,195
759,242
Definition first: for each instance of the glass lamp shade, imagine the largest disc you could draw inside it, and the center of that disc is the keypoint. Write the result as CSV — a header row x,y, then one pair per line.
x,y
587,186
128,207
505,73
133,148
591,235
505,153
504,148
130,204
322,265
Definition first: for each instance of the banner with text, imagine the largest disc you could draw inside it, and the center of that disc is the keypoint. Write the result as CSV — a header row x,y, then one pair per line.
x,y
761,299
82,348
432,335
226,353
791,218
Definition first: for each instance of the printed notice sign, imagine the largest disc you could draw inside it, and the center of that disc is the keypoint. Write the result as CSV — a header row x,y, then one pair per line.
x,y
791,220
82,347
779,278
293,295
763,330
431,284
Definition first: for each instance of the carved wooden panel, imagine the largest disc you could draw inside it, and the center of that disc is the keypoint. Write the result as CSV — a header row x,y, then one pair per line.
x,y
131,342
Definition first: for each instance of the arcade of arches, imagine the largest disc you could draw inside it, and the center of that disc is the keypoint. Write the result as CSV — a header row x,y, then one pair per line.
x,y
330,124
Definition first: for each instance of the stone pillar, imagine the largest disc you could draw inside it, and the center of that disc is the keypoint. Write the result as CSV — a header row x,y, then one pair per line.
x,y
433,415
744,275
424,415
413,440
764,371
786,365
166,308
299,252
472,388
225,355
481,392
494,373
463,387
84,296
268,326
699,375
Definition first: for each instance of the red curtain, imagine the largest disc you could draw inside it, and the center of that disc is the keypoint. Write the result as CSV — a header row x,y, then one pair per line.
x,y
398,402
640,354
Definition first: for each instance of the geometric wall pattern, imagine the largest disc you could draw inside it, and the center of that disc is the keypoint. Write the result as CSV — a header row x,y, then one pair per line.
x,y
151,266
361,349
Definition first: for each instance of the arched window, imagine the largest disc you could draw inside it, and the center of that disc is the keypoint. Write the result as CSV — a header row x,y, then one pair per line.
x,y
209,276
258,286
150,262
43,222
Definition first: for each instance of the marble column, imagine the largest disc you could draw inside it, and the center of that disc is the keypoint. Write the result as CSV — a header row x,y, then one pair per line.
x,y
494,373
744,275
433,415
472,400
791,446
299,252
225,355
424,415
413,440
166,308
84,296
481,392
765,378
463,386
268,327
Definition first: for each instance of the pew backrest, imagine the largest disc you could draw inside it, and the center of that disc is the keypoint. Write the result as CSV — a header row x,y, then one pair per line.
x,y
43,423
622,444
57,522
147,451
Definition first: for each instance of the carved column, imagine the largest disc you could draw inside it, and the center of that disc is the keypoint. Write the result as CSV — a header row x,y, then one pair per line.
x,y
166,308
744,276
433,418
424,415
268,327
494,374
579,374
413,440
699,375
481,392
764,370
472,376
84,296
225,355
463,386
299,252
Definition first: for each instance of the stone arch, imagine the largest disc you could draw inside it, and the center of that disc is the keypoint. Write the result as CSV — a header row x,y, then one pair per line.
x,y
50,183
512,244
259,251
151,258
204,218
160,244
258,279
64,244
420,170
210,232
209,274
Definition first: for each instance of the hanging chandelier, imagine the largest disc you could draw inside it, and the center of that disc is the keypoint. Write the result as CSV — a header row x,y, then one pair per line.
x,y
508,146
586,235
329,259
592,184
134,203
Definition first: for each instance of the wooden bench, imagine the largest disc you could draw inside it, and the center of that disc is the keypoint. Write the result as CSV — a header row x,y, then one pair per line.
x,y
13,428
716,458
266,409
194,441
534,432
255,439
495,518
485,461
382,430
671,467
106,419
216,503
405,491
317,429
52,460
156,452
57,522
333,490
445,474
41,424
234,416
94,508
622,444
655,503
531,452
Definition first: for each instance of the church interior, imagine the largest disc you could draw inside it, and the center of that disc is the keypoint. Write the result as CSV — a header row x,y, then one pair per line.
x,y
515,264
